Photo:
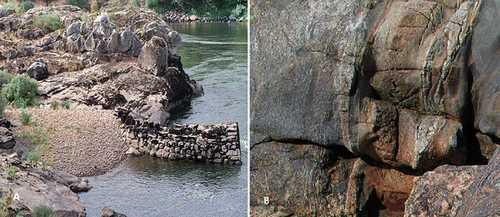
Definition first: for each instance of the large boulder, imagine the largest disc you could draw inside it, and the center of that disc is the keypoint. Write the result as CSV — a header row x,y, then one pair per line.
x,y
485,66
36,186
6,138
441,192
153,57
38,70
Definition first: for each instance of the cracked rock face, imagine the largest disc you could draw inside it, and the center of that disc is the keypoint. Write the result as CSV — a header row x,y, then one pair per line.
x,y
402,85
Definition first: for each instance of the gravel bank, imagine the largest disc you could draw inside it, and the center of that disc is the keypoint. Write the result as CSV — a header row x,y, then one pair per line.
x,y
85,142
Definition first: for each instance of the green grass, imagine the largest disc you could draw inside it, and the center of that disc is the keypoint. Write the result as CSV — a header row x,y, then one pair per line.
x,y
54,104
25,6
12,172
49,22
25,118
43,211
83,4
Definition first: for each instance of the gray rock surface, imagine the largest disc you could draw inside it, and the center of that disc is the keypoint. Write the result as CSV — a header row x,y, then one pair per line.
x,y
484,67
36,186
38,71
153,57
107,212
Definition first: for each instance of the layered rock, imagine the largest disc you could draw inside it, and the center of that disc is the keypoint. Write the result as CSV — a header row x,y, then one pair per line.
x,y
389,81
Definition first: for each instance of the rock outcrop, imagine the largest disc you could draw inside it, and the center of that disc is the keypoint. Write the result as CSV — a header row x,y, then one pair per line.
x,y
404,86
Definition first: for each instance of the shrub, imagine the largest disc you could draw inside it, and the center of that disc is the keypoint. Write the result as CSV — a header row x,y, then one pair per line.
x,y
22,90
26,5
151,4
83,4
12,172
66,104
5,77
11,7
43,211
33,157
54,104
49,22
25,118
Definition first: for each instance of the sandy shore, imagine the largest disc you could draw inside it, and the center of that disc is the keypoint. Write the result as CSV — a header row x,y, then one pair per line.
x,y
85,142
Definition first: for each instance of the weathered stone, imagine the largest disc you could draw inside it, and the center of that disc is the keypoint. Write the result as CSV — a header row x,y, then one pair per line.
x,y
441,192
38,71
133,151
302,171
428,141
153,57
6,138
375,133
482,196
485,67
107,212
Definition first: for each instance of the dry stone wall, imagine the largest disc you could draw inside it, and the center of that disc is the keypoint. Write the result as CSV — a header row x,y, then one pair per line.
x,y
218,143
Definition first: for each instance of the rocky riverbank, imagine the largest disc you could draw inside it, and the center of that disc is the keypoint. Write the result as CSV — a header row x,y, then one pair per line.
x,y
121,57
28,185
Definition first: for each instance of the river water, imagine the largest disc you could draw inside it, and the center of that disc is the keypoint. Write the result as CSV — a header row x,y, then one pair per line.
x,y
215,55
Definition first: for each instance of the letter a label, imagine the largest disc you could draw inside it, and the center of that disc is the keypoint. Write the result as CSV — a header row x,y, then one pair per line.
x,y
16,196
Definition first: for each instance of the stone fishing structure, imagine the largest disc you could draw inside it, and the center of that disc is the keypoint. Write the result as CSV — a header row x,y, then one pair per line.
x,y
217,143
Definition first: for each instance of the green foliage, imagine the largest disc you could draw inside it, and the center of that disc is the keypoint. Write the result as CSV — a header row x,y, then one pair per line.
x,y
151,4
54,104
22,90
19,215
43,211
12,172
5,77
66,104
219,9
239,13
2,106
25,6
83,4
33,157
25,118
11,6
49,22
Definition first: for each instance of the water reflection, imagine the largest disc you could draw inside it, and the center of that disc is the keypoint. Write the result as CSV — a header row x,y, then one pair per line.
x,y
203,173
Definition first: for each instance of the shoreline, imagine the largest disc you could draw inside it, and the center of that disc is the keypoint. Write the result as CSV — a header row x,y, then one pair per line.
x,y
84,143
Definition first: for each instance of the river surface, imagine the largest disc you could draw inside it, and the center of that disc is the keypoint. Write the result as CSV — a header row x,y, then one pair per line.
x,y
215,55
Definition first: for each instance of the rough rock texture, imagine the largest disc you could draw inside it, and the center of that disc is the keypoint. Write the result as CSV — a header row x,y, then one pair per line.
x,y
441,192
7,140
484,67
36,186
482,196
107,212
153,57
302,180
322,84
307,180
404,85
457,191
38,71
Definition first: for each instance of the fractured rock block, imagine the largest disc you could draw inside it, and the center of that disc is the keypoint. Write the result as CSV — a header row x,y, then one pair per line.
x,y
426,141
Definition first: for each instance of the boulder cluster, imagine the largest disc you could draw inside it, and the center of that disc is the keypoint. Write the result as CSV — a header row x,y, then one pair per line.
x,y
217,143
